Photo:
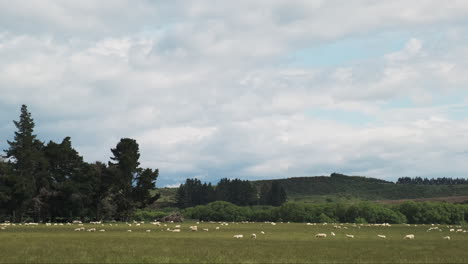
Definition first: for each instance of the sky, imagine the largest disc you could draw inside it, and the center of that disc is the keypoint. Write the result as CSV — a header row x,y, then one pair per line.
x,y
253,89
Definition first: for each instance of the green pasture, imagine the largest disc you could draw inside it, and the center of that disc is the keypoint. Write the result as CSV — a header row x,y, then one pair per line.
x,y
281,243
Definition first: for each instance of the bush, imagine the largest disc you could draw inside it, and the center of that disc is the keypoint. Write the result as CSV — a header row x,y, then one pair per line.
x,y
148,215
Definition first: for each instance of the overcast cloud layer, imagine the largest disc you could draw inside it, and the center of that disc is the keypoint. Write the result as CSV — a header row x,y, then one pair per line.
x,y
250,89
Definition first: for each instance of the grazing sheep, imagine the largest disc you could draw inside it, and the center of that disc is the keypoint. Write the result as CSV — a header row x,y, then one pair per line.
x,y
382,236
452,230
205,229
410,236
272,223
253,236
176,230
238,236
262,232
446,237
177,226
194,228
333,234
349,236
102,230
147,231
217,228
76,229
91,230
129,231
321,235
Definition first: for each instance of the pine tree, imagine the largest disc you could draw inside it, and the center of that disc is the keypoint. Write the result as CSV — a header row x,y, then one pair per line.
x,y
29,167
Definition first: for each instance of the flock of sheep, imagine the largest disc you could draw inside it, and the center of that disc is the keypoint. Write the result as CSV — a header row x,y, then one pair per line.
x,y
194,228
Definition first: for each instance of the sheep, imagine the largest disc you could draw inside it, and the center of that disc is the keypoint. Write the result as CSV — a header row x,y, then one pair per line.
x,y
262,232
253,236
452,230
238,236
76,229
333,234
410,236
177,226
129,230
349,236
446,238
176,230
205,229
91,230
102,230
147,231
382,236
321,235
272,223
217,228
194,228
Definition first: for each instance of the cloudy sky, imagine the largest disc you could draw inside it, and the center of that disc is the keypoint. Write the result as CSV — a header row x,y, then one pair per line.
x,y
251,89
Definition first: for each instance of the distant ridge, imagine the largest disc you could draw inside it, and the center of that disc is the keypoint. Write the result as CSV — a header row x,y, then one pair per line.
x,y
343,188
337,187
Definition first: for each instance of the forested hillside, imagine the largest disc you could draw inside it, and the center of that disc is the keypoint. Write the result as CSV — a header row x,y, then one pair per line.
x,y
340,187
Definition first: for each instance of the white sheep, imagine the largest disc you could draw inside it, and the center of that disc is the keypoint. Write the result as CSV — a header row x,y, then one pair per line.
x,y
205,229
262,232
102,230
129,230
321,235
382,236
349,236
147,231
176,230
217,228
238,236
410,236
446,237
333,234
177,226
253,236
194,228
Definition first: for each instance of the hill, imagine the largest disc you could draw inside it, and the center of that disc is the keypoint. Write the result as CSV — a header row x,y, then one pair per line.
x,y
339,187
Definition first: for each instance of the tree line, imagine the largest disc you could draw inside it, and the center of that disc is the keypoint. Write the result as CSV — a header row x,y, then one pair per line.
x,y
51,181
361,213
239,192
432,181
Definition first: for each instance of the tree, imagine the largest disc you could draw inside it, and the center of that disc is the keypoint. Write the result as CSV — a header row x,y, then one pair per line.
x,y
145,182
265,194
125,168
278,194
29,167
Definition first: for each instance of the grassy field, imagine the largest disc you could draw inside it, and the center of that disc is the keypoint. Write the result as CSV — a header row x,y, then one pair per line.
x,y
282,243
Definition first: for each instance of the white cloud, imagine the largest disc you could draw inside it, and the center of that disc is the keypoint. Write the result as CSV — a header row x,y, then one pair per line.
x,y
208,89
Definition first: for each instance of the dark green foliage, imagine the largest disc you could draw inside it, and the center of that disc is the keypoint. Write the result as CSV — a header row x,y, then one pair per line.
x,y
365,212
272,194
193,193
433,181
53,182
236,191
29,166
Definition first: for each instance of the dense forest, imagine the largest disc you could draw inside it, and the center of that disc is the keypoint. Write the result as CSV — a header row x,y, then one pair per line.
x,y
235,191
432,181
51,181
